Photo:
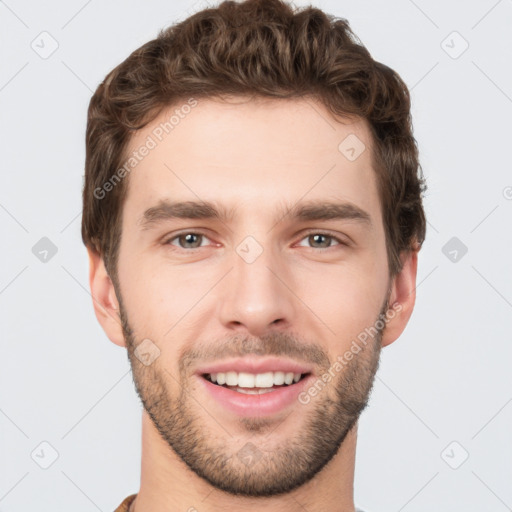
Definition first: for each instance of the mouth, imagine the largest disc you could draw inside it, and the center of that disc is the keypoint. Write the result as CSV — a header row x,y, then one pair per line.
x,y
252,395
254,384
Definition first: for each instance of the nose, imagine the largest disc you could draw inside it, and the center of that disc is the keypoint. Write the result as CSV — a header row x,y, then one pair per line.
x,y
256,296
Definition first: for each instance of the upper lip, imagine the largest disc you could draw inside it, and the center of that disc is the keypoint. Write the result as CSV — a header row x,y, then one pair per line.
x,y
255,365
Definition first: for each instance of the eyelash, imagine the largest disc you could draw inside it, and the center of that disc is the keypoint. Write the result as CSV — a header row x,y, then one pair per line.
x,y
306,235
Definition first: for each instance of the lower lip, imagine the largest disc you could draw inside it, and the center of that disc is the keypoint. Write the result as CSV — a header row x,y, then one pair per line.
x,y
256,405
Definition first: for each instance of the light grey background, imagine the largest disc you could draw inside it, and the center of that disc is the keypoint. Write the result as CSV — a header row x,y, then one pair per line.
x,y
446,380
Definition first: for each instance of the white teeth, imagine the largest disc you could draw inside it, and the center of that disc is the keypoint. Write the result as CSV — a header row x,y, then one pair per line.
x,y
278,378
246,380
288,378
254,391
231,378
263,380
251,380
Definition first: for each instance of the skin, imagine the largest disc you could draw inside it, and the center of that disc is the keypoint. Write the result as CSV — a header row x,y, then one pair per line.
x,y
253,157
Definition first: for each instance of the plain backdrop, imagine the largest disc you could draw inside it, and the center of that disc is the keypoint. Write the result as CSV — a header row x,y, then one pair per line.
x,y
437,433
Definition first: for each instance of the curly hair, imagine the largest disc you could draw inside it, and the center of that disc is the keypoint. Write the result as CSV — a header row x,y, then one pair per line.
x,y
263,48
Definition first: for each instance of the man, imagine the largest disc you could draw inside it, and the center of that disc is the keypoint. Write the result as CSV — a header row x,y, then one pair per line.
x,y
253,214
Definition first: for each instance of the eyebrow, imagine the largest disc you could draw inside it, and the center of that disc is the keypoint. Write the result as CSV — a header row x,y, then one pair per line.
x,y
309,211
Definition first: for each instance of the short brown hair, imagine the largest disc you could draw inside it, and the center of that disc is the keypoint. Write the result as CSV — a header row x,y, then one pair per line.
x,y
261,48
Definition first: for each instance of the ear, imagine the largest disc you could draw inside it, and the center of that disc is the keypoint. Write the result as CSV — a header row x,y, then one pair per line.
x,y
104,298
402,297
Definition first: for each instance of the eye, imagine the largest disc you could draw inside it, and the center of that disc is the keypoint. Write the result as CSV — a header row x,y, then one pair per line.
x,y
322,240
188,240
195,240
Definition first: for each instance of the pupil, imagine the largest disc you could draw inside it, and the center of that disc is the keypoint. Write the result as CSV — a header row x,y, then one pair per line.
x,y
189,238
317,239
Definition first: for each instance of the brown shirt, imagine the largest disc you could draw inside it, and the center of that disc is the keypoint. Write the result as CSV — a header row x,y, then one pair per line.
x,y
125,505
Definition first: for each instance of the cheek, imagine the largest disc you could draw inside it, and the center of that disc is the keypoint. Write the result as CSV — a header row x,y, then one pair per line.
x,y
346,300
164,299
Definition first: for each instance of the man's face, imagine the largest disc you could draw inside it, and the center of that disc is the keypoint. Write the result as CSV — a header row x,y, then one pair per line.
x,y
258,286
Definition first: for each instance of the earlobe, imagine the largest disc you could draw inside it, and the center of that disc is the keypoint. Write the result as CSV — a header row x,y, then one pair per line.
x,y
402,298
104,298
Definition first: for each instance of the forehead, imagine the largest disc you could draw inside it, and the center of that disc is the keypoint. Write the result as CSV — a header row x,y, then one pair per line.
x,y
251,152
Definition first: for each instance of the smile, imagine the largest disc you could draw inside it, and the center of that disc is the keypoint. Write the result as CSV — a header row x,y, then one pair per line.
x,y
254,384
255,394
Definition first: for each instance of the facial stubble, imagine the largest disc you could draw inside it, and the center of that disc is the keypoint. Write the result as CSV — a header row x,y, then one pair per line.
x,y
277,467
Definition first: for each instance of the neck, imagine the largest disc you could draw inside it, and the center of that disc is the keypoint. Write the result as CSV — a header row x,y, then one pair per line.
x,y
167,484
